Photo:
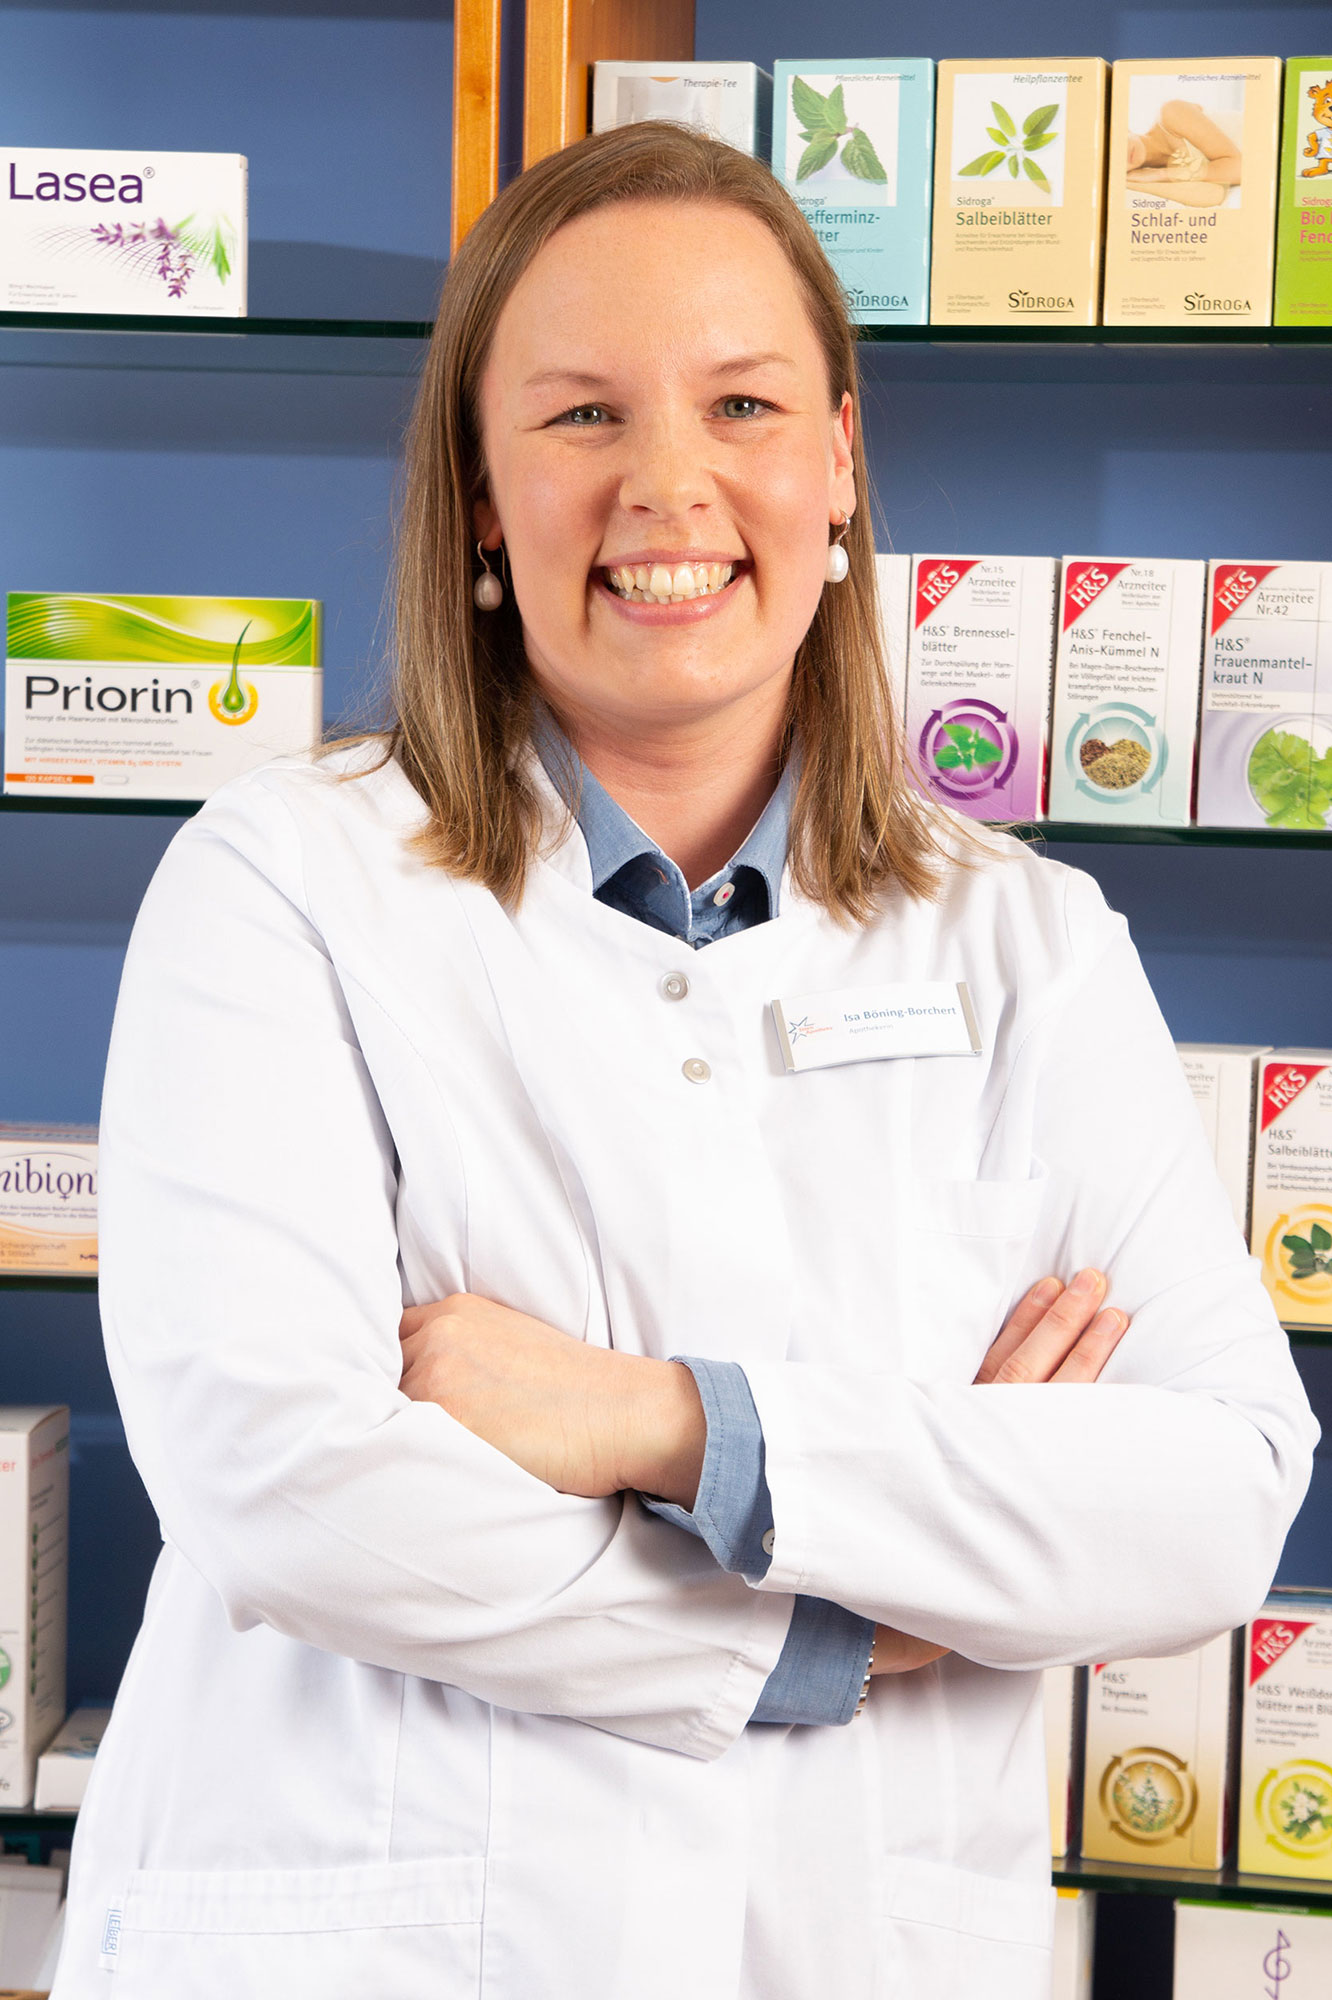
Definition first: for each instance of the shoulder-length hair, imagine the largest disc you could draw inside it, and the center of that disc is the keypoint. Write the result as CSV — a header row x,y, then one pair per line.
x,y
461,694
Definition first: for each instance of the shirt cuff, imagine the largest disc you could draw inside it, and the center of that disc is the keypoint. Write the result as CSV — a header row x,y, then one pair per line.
x,y
821,1668
732,1509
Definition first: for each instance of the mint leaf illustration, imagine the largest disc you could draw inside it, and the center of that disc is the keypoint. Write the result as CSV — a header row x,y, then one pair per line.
x,y
984,163
812,108
965,750
859,158
836,112
1003,121
986,752
1037,122
817,154
949,758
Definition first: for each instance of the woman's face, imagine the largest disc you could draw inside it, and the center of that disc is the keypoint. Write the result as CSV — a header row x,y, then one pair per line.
x,y
655,397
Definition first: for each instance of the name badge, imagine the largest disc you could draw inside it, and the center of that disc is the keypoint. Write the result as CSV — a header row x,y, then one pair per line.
x,y
932,1017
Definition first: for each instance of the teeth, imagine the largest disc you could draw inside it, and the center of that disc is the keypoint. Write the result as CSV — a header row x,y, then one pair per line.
x,y
659,583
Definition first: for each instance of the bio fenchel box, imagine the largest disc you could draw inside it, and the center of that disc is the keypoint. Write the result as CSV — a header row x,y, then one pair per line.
x,y
893,573
1304,196
155,697
1238,1951
1126,691
854,144
65,1766
731,100
1064,1701
1223,1077
1074,1944
1265,748
1291,1233
1285,1820
93,232
1019,189
978,680
34,1539
48,1201
1191,205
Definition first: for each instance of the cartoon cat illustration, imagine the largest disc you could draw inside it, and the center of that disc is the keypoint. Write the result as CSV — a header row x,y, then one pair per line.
x,y
1319,145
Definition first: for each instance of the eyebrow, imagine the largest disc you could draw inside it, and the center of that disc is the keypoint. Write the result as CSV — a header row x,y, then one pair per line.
x,y
733,365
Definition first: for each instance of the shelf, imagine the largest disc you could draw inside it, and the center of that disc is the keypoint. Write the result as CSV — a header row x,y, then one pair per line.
x,y
1224,1885
126,808
169,323
12,1281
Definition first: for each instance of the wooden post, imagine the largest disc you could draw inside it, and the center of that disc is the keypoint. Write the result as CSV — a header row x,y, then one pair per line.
x,y
476,106
564,36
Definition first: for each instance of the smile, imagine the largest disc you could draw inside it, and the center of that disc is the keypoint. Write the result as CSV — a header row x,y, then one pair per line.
x,y
668,583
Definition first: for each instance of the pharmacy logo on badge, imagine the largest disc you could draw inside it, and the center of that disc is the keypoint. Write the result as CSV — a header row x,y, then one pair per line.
x,y
1294,1808
233,700
1148,1796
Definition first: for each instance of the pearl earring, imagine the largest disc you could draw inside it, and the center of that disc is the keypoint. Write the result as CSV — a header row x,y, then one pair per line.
x,y
487,591
839,562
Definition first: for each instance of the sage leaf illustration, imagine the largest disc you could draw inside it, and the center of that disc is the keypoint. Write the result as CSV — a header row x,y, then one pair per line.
x,y
1033,173
811,107
1000,138
1012,165
1320,1238
817,154
1037,122
984,163
859,158
1041,139
1003,121
1309,1256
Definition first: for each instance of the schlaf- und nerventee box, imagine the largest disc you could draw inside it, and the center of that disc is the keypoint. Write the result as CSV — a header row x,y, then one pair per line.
x,y
1265,745
1191,202
88,231
1159,1758
1291,1232
854,143
34,1545
731,100
1126,691
1223,1077
1237,1951
894,580
1019,177
978,680
1304,196
48,1200
1063,1702
155,697
1285,1819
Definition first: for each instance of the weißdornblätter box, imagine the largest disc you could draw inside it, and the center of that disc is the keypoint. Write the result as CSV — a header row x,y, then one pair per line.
x,y
1227,1951
731,100
48,1200
34,1550
1285,1816
1223,1077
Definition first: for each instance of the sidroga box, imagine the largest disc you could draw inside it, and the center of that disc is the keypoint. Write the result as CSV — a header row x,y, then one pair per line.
x,y
1223,1077
1304,196
1191,204
34,1547
1074,1944
978,680
894,580
1291,1233
1019,189
731,100
48,1200
854,144
1064,1703
1240,1951
155,697
1126,691
1285,1819
1159,1767
94,232
1265,748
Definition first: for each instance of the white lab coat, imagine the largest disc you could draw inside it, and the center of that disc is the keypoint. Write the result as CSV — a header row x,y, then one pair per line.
x,y
404,1722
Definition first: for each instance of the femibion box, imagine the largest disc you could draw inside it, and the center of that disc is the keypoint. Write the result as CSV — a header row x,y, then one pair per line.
x,y
1126,691
731,100
1304,196
893,574
34,1568
1019,185
1158,1771
1265,746
1239,1951
1291,1230
1063,1702
1223,1077
155,697
854,144
48,1200
1191,203
96,232
1285,1820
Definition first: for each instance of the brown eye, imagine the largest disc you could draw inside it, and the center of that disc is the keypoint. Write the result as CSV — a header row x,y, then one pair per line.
x,y
587,416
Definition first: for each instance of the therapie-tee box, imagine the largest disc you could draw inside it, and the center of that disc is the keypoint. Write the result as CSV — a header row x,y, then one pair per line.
x,y
100,232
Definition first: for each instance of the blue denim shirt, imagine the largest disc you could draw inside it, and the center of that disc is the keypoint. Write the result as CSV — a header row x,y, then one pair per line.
x,y
821,1669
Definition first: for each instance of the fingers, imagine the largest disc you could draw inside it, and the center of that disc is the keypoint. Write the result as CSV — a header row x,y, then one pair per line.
x,y
1094,1348
901,1652
1070,1341
1026,1315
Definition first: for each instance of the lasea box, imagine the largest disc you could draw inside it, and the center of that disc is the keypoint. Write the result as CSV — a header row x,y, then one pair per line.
x,y
1291,1230
854,144
48,1201
1223,1077
1265,748
126,232
1304,196
1239,1951
34,1562
155,697
1285,1819
731,100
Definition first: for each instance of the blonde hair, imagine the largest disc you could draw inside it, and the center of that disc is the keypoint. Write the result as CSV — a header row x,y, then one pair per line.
x,y
461,692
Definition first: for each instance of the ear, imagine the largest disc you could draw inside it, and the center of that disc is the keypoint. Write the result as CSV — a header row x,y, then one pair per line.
x,y
842,480
487,523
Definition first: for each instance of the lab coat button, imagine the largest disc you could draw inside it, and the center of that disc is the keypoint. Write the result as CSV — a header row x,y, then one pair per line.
x,y
673,985
697,1070
769,1541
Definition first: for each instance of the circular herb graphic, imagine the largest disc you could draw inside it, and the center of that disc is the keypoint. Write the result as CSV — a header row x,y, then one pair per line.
x,y
968,747
1290,773
1294,1806
1116,752
6,1668
1149,1794
1298,1253
1114,766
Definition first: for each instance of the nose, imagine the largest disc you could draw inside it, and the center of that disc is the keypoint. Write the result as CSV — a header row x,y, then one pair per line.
x,y
666,473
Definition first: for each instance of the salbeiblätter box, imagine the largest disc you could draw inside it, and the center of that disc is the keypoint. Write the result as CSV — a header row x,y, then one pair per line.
x,y
854,144
1019,183
731,100
1265,732
1285,1818
1223,1077
127,232
1291,1228
34,1549
48,1201
1304,196
1191,199
1239,1951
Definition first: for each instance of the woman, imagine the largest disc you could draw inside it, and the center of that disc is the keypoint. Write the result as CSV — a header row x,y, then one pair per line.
x,y
493,1649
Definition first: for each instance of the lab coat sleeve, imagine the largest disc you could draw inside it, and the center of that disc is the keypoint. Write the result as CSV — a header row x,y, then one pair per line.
x,y
251,1296
1025,1526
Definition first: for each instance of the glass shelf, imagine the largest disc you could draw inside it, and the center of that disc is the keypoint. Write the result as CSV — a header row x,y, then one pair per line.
x,y
310,329
1224,1885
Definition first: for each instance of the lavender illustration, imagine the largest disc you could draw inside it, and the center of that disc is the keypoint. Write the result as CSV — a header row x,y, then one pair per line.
x,y
163,253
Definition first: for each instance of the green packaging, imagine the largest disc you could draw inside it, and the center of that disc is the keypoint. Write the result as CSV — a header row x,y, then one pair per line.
x,y
1304,196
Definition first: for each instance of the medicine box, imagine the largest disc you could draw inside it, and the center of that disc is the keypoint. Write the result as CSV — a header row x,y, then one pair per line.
x,y
48,1200
1285,1818
731,100
126,232
1291,1233
1127,670
34,1539
155,697
1019,189
1191,203
893,575
854,144
1158,1774
1238,1951
1265,745
1304,196
978,680
1074,1944
1064,1703
65,1766
1223,1077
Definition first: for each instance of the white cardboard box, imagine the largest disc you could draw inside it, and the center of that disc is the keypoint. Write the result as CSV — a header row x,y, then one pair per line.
x,y
65,1766
1291,1224
48,1200
731,100
1064,1701
1265,741
1074,1945
34,1549
1223,1077
30,1908
1285,1816
894,576
1228,1951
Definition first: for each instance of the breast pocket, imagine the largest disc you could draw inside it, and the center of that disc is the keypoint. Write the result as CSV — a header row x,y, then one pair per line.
x,y
411,1929
968,1249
